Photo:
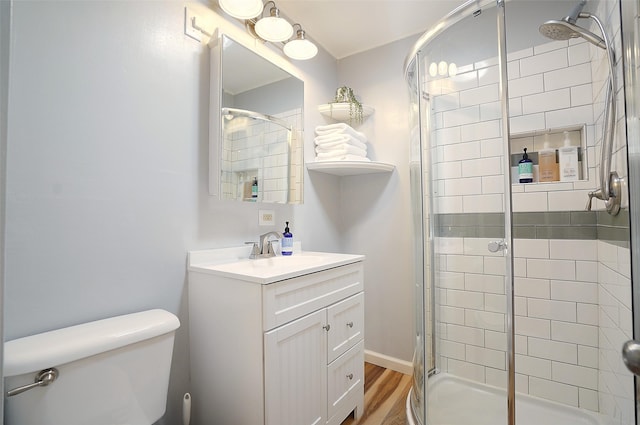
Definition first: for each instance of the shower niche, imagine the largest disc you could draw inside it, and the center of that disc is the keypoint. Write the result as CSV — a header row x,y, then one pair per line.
x,y
544,149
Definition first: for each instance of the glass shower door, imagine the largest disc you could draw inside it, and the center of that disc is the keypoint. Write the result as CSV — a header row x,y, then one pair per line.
x,y
466,286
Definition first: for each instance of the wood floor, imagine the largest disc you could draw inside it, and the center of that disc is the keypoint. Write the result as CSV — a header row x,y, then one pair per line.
x,y
385,395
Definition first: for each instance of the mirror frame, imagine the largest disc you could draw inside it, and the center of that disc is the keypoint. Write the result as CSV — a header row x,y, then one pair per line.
x,y
216,119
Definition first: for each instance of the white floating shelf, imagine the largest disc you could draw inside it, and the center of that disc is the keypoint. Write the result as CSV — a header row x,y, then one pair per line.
x,y
350,168
341,111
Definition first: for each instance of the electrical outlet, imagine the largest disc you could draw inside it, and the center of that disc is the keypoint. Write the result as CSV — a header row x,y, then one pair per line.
x,y
189,30
266,218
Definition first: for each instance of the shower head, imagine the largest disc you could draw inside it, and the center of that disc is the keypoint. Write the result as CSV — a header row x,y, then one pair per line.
x,y
564,30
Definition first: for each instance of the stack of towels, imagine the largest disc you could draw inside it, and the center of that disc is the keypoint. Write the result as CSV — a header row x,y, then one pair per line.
x,y
340,142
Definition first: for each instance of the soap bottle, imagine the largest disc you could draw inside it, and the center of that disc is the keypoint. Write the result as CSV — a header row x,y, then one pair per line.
x,y
548,167
525,169
568,159
286,247
254,189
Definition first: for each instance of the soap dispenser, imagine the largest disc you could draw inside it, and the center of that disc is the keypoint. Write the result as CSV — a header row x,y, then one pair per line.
x,y
254,189
286,247
548,167
525,169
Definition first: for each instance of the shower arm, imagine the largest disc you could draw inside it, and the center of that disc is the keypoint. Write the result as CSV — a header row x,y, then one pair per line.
x,y
610,184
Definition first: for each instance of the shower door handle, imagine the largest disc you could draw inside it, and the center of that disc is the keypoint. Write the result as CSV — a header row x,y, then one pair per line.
x,y
495,246
631,356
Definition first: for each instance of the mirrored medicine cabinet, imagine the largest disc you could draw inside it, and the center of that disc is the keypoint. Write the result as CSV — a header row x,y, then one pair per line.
x,y
255,127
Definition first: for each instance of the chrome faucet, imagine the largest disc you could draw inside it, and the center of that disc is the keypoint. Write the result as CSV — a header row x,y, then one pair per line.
x,y
266,250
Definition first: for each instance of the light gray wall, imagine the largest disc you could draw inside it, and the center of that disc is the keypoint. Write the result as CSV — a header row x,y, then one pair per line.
x,y
376,208
107,166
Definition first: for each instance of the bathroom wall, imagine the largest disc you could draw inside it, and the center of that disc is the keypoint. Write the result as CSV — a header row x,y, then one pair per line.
x,y
376,207
107,165
5,22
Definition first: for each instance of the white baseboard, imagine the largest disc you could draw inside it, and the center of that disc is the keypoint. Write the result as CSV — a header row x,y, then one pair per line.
x,y
388,362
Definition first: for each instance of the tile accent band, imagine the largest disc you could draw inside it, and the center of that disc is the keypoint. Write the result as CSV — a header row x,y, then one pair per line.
x,y
587,225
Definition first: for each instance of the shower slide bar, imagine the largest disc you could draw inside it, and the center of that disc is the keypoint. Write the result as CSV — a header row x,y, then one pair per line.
x,y
255,115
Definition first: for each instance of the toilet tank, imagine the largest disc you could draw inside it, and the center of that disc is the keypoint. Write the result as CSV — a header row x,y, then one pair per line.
x,y
110,372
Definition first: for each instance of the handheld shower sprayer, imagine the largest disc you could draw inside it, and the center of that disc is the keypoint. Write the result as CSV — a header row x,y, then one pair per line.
x,y
564,29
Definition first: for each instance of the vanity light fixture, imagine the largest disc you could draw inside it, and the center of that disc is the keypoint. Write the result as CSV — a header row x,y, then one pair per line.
x,y
300,48
242,9
273,28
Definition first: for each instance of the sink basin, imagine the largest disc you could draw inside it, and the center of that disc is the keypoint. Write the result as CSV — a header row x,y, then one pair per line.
x,y
273,269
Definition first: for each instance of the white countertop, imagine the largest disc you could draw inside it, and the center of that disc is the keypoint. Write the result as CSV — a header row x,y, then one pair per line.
x,y
229,263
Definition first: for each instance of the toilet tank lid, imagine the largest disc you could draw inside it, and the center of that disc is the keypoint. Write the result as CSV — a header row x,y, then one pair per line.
x,y
49,349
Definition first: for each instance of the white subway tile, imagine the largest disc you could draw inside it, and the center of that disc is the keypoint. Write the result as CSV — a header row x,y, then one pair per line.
x,y
582,292
490,111
495,303
555,391
568,77
588,356
496,377
448,204
448,280
520,306
526,85
463,186
446,102
489,75
461,116
581,95
461,151
533,366
481,130
549,46
476,96
529,326
448,170
493,184
515,106
494,266
484,356
520,267
465,263
526,123
544,62
586,271
521,343
588,399
462,81
491,147
573,249
452,349
588,314
579,53
519,54
568,200
449,314
569,116
448,136
531,248
547,101
553,350
551,269
484,283
495,340
482,203
574,332
466,370
553,310
575,375
466,335
482,167
532,288
529,202
484,320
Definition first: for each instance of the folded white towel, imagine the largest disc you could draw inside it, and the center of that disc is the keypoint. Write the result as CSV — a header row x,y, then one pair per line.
x,y
344,158
340,128
343,149
341,152
338,139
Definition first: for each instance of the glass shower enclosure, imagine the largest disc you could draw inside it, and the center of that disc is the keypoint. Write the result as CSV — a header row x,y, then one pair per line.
x,y
523,296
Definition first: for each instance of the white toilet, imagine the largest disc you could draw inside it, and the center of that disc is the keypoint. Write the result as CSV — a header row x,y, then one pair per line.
x,y
109,372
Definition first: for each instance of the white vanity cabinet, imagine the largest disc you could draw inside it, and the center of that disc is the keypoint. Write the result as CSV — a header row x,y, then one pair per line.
x,y
277,352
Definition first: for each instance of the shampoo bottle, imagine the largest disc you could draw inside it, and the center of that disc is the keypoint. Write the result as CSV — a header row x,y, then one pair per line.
x,y
286,247
568,159
525,169
548,167
254,189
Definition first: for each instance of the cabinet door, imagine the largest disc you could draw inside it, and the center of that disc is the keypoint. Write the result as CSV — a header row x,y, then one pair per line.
x,y
346,321
296,372
346,384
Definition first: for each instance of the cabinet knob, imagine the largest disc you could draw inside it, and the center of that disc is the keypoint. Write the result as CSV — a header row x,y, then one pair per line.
x,y
350,376
326,328
350,324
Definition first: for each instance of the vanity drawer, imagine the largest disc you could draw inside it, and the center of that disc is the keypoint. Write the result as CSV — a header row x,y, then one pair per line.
x,y
345,382
292,298
346,319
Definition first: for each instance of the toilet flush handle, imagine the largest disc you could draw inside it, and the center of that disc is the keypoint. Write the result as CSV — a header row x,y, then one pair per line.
x,y
43,378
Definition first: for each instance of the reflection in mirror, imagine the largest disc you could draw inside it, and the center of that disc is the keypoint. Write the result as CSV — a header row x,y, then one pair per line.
x,y
256,127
